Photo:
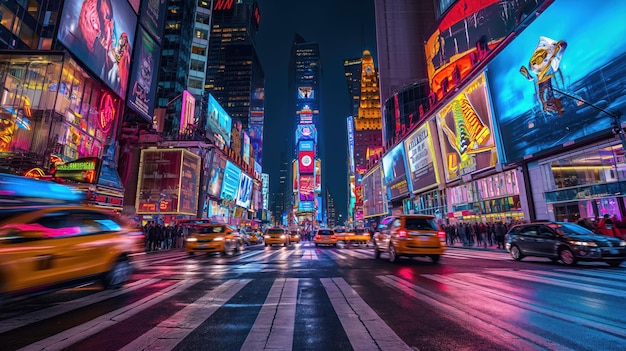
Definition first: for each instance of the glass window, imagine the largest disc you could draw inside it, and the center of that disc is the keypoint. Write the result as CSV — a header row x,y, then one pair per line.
x,y
6,17
33,8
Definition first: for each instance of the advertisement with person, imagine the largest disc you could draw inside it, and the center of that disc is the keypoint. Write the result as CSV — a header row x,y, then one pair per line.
x,y
143,81
419,152
153,17
307,185
245,150
306,92
101,34
190,175
244,191
187,113
230,184
394,167
219,123
216,174
159,183
466,132
306,132
558,84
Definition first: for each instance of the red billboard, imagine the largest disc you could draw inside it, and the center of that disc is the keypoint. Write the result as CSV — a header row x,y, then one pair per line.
x,y
307,187
306,162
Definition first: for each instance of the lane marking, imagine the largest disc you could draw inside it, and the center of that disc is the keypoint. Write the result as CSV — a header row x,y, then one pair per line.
x,y
36,316
364,328
173,330
73,335
334,255
275,324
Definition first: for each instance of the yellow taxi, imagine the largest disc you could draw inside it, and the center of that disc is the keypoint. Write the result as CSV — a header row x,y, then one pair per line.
x,y
294,236
214,237
357,236
410,236
47,248
278,236
325,237
255,237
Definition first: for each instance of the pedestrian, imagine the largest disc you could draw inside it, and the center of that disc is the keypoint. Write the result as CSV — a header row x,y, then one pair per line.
x,y
500,233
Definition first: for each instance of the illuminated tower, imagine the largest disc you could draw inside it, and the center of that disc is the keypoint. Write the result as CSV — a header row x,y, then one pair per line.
x,y
368,122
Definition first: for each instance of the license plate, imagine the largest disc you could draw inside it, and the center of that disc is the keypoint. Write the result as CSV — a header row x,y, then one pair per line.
x,y
202,246
424,238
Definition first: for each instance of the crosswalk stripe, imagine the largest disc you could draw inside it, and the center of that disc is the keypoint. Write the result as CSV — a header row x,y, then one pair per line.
x,y
364,328
36,316
602,274
499,332
280,305
334,255
359,255
173,330
80,332
478,283
580,278
567,284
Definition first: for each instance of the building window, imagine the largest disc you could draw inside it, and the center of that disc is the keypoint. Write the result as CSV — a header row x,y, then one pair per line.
x,y
195,83
198,50
6,17
202,34
196,65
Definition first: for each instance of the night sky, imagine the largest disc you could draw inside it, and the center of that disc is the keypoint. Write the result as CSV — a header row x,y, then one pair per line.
x,y
343,29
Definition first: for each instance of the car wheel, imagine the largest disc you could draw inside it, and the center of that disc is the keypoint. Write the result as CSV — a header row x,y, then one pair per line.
x,y
190,253
614,263
119,274
393,257
229,248
554,259
567,256
516,253
435,258
376,252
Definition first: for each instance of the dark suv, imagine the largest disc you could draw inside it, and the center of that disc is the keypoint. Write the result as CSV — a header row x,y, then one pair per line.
x,y
564,241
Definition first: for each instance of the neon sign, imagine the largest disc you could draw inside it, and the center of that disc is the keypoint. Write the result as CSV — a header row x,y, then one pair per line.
x,y
107,113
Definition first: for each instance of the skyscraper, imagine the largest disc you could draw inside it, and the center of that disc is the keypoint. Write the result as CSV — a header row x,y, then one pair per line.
x,y
368,122
352,69
234,75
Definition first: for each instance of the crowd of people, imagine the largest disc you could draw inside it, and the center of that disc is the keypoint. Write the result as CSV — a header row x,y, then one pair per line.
x,y
161,237
478,234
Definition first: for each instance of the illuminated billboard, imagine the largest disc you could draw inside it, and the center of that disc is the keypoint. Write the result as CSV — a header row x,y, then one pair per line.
x,y
245,149
244,191
305,115
306,164
294,175
101,34
466,132
255,132
168,182
265,189
230,183
394,168
306,206
143,80
419,154
374,194
219,124
188,111
153,17
464,36
350,128
216,174
306,93
307,188
306,131
539,105
318,175
306,145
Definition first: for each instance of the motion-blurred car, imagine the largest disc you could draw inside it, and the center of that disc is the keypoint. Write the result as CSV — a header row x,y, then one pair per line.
x,y
256,237
410,236
340,233
278,236
325,237
222,238
294,236
245,235
564,241
54,247
357,236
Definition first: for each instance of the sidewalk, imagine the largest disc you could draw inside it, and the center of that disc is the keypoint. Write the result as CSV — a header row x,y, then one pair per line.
x,y
476,247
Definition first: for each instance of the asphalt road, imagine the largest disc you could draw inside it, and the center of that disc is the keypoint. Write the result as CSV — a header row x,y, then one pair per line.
x,y
322,298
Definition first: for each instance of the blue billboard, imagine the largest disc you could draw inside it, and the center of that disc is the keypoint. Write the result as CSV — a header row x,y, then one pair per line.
x,y
244,191
218,123
394,168
551,83
230,183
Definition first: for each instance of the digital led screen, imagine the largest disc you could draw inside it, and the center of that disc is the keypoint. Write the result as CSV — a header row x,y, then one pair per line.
x,y
306,164
143,80
256,141
101,34
350,128
374,194
190,178
159,182
244,192
466,34
466,132
245,149
306,131
306,145
216,174
394,167
419,153
306,92
153,17
579,60
318,175
230,183
219,123
306,206
265,189
188,111
307,187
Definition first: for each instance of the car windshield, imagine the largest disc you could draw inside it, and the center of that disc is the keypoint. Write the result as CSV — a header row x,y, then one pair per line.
x,y
325,232
420,224
216,229
275,231
572,229
359,231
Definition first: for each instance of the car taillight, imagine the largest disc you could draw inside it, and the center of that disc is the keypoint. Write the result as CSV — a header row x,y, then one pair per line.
x,y
317,237
442,235
402,233
333,237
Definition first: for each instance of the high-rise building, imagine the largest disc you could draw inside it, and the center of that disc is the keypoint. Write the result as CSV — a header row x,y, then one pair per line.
x,y
352,71
234,74
304,95
280,199
331,211
368,122
401,26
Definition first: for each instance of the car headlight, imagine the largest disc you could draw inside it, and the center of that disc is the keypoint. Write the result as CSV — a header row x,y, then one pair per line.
x,y
584,243
266,236
622,243
282,236
192,239
219,238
